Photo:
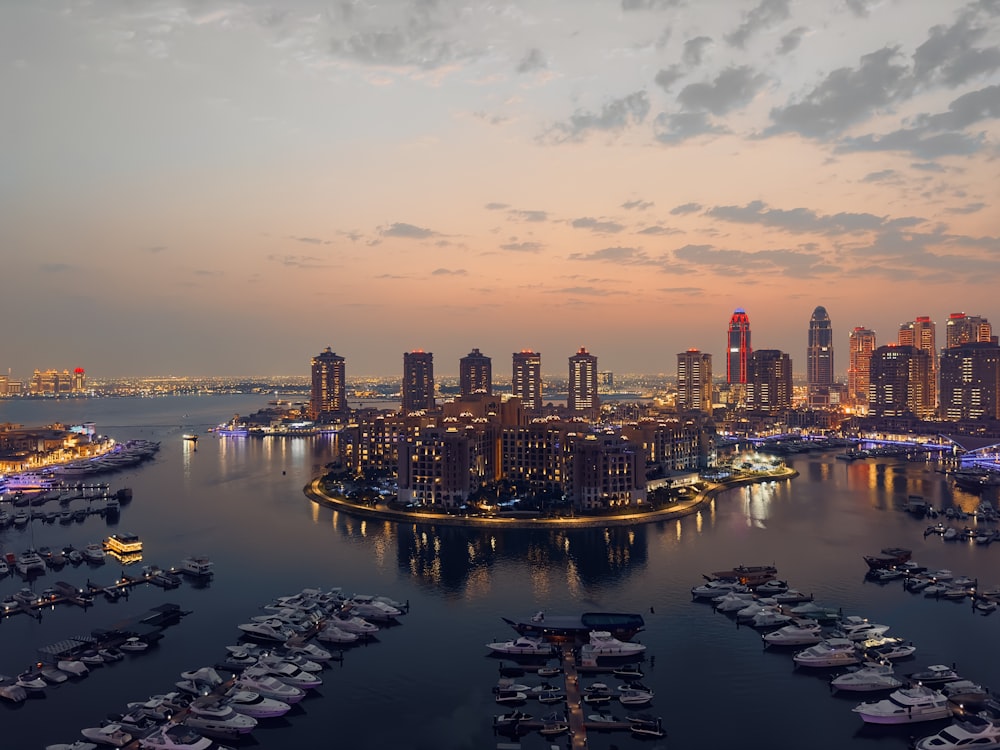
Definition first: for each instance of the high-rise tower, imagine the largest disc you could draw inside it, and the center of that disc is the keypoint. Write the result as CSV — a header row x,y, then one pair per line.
x,y
769,381
970,381
526,383
738,347
819,355
967,329
859,369
921,333
475,374
418,380
583,384
900,382
329,386
694,381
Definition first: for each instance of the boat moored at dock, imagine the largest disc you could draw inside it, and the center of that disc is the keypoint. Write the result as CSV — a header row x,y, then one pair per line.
x,y
621,625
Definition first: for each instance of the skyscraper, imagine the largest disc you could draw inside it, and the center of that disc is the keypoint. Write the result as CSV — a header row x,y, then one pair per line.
x,y
862,345
921,333
694,381
329,386
967,329
769,381
738,347
970,381
526,383
900,382
475,374
583,384
819,354
418,380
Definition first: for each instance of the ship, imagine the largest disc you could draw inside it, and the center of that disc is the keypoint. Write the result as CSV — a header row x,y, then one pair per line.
x,y
621,625
888,557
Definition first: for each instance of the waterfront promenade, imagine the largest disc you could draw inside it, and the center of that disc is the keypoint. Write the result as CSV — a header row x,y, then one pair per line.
x,y
315,492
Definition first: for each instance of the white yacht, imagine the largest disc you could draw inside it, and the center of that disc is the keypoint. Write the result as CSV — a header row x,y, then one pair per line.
x,y
287,673
830,652
109,734
256,705
94,554
197,566
796,634
265,631
218,719
732,601
769,618
370,608
178,737
712,589
635,697
29,562
524,645
859,628
309,651
333,634
602,643
906,706
354,624
867,678
269,686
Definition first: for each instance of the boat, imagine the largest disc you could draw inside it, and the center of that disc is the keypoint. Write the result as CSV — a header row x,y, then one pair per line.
x,y
215,718
354,624
963,692
133,644
523,646
970,731
635,697
603,643
110,654
628,670
792,596
125,546
287,673
644,725
109,734
867,678
887,649
332,634
269,686
29,562
830,652
622,625
856,628
935,674
888,557
74,667
178,737
510,696
196,566
94,554
732,601
553,725
265,631
906,706
510,718
769,618
796,634
554,695
714,588
256,705
372,608
748,575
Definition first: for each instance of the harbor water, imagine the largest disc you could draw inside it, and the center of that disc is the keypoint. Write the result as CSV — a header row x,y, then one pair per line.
x,y
427,683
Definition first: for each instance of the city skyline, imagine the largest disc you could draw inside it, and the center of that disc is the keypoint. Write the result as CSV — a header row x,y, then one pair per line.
x,y
223,187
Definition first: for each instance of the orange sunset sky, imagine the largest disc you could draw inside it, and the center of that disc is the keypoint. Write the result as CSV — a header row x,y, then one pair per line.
x,y
216,188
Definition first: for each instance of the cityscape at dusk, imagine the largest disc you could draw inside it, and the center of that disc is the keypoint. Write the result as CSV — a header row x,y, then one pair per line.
x,y
224,188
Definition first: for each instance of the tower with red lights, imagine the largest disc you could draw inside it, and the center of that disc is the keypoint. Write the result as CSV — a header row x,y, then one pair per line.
x,y
738,347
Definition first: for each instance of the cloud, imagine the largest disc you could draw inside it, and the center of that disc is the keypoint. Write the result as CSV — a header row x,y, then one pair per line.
x,y
790,41
798,219
969,208
614,117
596,225
681,290
310,240
619,254
694,50
449,272
409,231
590,291
731,88
881,176
859,7
659,231
633,5
672,129
686,208
533,61
791,263
298,261
534,216
155,249
637,204
667,77
845,96
496,206
765,15
523,247
950,54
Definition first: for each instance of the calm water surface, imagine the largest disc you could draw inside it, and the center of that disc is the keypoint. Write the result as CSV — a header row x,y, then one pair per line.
x,y
427,683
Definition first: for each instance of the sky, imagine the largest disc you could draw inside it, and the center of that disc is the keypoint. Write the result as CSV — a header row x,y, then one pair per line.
x,y
206,187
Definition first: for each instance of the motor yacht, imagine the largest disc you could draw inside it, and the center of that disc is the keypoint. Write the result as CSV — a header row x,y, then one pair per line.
x,y
963,692
368,607
602,643
792,596
936,674
265,631
830,652
309,651
94,554
971,731
796,634
867,678
524,645
178,737
256,705
889,649
635,698
712,589
906,706
296,660
217,719
732,601
769,618
269,686
286,673
134,644
333,634
354,624
510,718
859,628
29,562
510,696
109,734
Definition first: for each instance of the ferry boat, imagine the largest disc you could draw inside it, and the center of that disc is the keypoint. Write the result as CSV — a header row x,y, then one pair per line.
x,y
621,625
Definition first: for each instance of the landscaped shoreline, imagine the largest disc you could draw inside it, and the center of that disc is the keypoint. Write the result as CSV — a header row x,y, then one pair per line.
x,y
315,492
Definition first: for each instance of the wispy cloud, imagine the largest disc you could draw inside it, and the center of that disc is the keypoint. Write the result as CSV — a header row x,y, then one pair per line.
x,y
408,231
614,117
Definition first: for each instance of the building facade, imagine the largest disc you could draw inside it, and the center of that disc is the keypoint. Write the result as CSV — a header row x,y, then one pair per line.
x,y
967,329
583,399
526,380
900,382
328,394
418,381
922,334
861,346
738,347
769,381
604,472
970,381
819,353
694,381
475,374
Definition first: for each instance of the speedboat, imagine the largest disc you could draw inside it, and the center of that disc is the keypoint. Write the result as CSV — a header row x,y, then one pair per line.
x,y
769,618
218,719
309,651
645,725
333,634
178,737
287,673
256,705
830,652
635,697
792,596
265,631
971,731
367,606
867,678
798,634
510,696
961,692
553,724
859,628
269,686
354,624
906,706
712,589
631,671
524,645
732,601
134,644
602,643
890,648
511,717
109,734
936,674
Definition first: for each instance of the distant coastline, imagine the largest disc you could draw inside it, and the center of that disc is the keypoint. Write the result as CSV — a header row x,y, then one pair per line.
x,y
314,491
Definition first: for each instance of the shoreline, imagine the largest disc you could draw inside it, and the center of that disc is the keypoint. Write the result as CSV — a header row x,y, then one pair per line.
x,y
679,509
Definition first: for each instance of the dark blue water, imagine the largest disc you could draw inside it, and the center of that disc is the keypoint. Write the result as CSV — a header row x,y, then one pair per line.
x,y
427,683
